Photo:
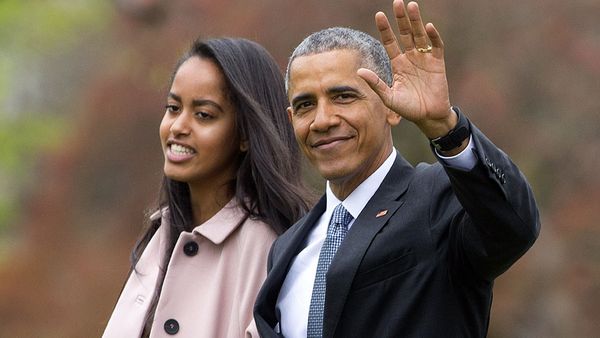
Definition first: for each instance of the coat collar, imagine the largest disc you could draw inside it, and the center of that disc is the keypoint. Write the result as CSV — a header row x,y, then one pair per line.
x,y
216,229
223,223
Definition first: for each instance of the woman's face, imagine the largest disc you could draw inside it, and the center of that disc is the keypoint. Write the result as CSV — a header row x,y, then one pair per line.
x,y
198,135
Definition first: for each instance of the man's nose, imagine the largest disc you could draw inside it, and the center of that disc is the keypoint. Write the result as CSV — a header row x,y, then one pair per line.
x,y
326,117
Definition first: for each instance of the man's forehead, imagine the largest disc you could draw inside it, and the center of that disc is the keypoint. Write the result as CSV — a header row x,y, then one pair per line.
x,y
330,65
345,55
313,82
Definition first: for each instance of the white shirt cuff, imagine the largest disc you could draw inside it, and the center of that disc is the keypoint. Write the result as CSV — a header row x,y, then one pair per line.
x,y
465,160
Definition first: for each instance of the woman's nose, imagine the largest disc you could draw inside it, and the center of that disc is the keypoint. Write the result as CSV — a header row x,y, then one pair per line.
x,y
181,124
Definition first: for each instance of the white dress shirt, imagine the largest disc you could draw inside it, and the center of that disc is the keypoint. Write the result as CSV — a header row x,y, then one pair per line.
x,y
294,297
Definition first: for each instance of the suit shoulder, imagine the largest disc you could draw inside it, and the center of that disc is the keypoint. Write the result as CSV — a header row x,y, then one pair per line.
x,y
427,172
292,230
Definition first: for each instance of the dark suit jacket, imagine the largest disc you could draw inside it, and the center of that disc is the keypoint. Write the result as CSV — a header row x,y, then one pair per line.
x,y
427,267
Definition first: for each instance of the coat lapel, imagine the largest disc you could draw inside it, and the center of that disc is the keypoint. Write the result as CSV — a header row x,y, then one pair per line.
x,y
285,249
367,225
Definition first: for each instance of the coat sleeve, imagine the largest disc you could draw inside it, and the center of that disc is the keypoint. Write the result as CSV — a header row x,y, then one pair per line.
x,y
499,220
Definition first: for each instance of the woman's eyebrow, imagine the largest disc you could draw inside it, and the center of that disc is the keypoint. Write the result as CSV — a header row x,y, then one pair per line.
x,y
175,97
206,102
197,102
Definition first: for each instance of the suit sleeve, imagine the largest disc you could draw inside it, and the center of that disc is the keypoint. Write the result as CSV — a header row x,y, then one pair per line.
x,y
499,220
270,257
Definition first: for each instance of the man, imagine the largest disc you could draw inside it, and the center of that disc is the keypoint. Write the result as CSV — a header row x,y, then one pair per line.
x,y
391,250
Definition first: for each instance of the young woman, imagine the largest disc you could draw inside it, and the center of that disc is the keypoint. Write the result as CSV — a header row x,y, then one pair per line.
x,y
231,185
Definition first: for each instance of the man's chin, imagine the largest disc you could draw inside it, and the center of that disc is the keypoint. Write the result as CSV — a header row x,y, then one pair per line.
x,y
331,174
335,176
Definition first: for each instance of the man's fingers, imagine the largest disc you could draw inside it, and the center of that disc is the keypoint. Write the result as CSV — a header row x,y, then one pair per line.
x,y
418,29
436,41
404,27
377,84
388,39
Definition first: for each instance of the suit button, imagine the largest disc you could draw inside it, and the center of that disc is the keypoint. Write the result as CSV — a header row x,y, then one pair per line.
x,y
190,248
171,326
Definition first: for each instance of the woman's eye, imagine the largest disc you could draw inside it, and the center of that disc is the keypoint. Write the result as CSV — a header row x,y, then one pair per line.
x,y
172,108
203,115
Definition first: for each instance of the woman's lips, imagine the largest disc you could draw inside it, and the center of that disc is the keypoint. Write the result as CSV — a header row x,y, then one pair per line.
x,y
179,153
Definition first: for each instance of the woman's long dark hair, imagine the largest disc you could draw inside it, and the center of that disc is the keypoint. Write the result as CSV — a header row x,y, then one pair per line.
x,y
268,184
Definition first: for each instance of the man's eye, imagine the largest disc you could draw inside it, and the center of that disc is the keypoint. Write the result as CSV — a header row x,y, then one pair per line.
x,y
302,106
344,98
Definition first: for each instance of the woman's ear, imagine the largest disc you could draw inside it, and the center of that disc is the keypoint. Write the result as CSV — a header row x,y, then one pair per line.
x,y
244,146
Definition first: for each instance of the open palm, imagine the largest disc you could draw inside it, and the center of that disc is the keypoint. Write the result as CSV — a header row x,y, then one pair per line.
x,y
419,92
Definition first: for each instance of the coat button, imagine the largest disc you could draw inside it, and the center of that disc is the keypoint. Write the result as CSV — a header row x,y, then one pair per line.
x,y
171,326
190,248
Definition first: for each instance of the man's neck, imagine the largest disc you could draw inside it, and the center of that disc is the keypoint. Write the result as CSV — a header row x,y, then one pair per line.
x,y
343,187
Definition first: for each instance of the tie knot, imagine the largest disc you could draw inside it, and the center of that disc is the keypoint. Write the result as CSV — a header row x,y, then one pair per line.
x,y
341,216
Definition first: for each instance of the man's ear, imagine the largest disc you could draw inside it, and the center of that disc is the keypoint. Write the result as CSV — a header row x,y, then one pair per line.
x,y
244,146
392,117
290,111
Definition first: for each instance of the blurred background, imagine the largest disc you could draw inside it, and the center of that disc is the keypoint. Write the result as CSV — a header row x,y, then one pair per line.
x,y
82,90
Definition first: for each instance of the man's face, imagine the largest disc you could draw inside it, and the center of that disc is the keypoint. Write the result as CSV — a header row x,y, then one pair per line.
x,y
341,124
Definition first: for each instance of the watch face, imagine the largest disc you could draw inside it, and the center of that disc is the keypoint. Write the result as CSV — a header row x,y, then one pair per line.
x,y
436,145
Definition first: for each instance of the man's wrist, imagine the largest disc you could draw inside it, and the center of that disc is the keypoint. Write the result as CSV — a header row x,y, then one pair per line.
x,y
463,160
454,140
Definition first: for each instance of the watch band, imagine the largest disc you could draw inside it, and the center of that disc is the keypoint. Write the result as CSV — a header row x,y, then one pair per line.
x,y
456,136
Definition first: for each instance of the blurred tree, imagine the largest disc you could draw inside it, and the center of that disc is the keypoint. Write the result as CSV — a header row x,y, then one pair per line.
x,y
36,77
82,85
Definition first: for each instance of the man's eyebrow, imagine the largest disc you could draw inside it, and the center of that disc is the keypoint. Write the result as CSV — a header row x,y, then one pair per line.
x,y
330,91
342,89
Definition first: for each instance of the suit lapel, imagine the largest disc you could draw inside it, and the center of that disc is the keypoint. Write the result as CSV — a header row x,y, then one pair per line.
x,y
285,249
367,225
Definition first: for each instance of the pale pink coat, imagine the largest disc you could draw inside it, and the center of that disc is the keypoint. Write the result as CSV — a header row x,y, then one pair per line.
x,y
210,294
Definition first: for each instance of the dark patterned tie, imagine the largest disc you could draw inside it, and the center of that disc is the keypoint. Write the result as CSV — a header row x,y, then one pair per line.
x,y
338,227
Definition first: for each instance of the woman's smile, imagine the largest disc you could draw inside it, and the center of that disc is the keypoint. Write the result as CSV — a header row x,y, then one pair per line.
x,y
179,153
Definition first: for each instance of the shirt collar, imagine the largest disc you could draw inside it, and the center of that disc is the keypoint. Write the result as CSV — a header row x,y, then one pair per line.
x,y
357,200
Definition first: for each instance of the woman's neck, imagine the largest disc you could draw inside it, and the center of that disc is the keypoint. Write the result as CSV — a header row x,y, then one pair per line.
x,y
207,201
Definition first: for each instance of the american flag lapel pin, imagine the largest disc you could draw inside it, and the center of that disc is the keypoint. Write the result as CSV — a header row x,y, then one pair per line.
x,y
381,213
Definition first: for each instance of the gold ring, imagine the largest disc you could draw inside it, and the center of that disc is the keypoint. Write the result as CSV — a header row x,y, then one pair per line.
x,y
425,50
